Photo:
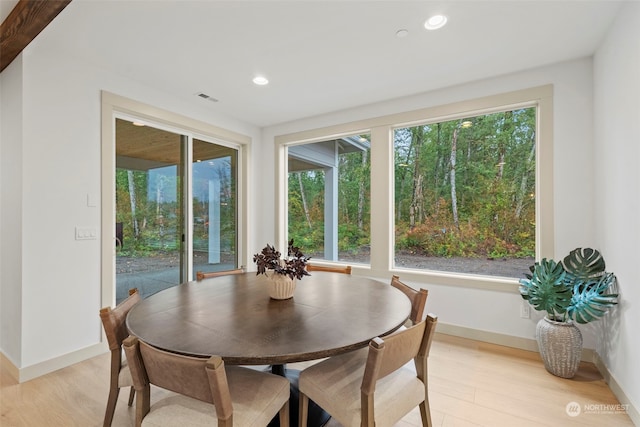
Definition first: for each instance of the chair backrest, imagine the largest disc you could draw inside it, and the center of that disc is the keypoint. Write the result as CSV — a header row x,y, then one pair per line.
x,y
202,275
333,269
418,299
200,378
394,351
113,320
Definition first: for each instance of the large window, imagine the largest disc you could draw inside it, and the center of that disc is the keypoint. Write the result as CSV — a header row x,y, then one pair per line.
x,y
465,194
328,198
461,194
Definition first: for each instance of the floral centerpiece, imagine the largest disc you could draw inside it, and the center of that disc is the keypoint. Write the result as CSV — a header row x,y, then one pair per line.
x,y
293,265
281,270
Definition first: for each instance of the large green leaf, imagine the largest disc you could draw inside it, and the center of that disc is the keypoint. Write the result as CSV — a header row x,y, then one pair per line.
x,y
547,290
578,288
583,263
592,298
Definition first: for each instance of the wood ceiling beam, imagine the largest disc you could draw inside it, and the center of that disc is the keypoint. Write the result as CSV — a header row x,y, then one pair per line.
x,y
27,19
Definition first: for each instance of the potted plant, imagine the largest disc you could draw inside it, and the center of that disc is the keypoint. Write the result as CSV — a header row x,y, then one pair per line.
x,y
577,289
282,271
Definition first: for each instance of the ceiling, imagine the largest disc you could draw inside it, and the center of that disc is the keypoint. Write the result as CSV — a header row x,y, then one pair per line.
x,y
320,56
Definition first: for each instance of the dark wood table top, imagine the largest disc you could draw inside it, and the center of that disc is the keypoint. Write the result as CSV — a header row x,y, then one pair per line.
x,y
233,316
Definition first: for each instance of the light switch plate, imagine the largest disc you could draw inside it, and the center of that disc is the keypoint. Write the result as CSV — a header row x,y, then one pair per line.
x,y
86,233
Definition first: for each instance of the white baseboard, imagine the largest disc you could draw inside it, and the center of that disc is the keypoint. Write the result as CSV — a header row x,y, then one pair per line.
x,y
528,344
30,372
588,355
632,411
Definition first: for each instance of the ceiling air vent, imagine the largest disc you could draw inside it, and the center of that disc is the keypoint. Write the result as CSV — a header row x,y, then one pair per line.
x,y
207,97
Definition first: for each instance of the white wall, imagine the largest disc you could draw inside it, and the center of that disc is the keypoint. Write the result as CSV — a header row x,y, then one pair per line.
x,y
572,81
51,297
10,208
617,191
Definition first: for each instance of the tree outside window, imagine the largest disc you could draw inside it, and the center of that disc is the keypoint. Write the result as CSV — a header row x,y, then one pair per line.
x,y
465,194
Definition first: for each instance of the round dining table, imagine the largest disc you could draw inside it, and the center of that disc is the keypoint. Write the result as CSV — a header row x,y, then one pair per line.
x,y
234,317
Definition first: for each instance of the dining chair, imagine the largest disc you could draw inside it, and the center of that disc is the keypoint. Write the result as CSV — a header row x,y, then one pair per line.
x,y
418,300
113,322
202,275
333,269
208,393
374,387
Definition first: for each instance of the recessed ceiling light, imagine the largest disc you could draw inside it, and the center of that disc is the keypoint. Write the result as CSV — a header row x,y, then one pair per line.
x,y
260,80
435,22
402,33
137,124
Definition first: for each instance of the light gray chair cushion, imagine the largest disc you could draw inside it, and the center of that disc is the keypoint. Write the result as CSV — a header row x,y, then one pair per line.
x,y
334,385
256,397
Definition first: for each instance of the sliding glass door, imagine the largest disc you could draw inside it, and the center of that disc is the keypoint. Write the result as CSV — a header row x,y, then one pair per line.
x,y
175,207
214,177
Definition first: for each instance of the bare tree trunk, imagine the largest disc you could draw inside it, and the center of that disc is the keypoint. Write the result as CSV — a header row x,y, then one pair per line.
x,y
304,200
361,194
507,129
523,181
417,197
159,201
452,176
132,199
440,167
403,182
500,165
412,218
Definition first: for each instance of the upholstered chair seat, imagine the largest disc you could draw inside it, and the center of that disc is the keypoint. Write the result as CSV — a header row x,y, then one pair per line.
x,y
374,387
208,392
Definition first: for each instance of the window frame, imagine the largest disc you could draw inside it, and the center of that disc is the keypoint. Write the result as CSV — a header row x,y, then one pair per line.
x,y
382,185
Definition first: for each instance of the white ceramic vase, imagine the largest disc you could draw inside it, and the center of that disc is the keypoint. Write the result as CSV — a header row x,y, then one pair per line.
x,y
280,286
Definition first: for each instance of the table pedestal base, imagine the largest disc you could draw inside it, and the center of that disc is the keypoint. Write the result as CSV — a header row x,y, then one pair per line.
x,y
317,416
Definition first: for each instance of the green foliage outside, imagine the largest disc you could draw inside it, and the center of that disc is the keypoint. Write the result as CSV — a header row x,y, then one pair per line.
x,y
155,226
353,206
152,229
488,164
463,188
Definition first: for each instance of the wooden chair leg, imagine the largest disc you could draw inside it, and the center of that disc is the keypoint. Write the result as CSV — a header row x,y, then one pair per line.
x,y
425,413
111,406
143,404
226,423
303,409
284,415
132,394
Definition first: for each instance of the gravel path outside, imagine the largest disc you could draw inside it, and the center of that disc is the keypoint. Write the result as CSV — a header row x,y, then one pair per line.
x,y
515,268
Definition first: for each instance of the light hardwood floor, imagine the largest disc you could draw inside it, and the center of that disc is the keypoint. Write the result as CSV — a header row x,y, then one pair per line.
x,y
471,384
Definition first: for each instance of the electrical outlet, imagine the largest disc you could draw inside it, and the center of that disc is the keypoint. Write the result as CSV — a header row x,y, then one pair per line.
x,y
525,310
